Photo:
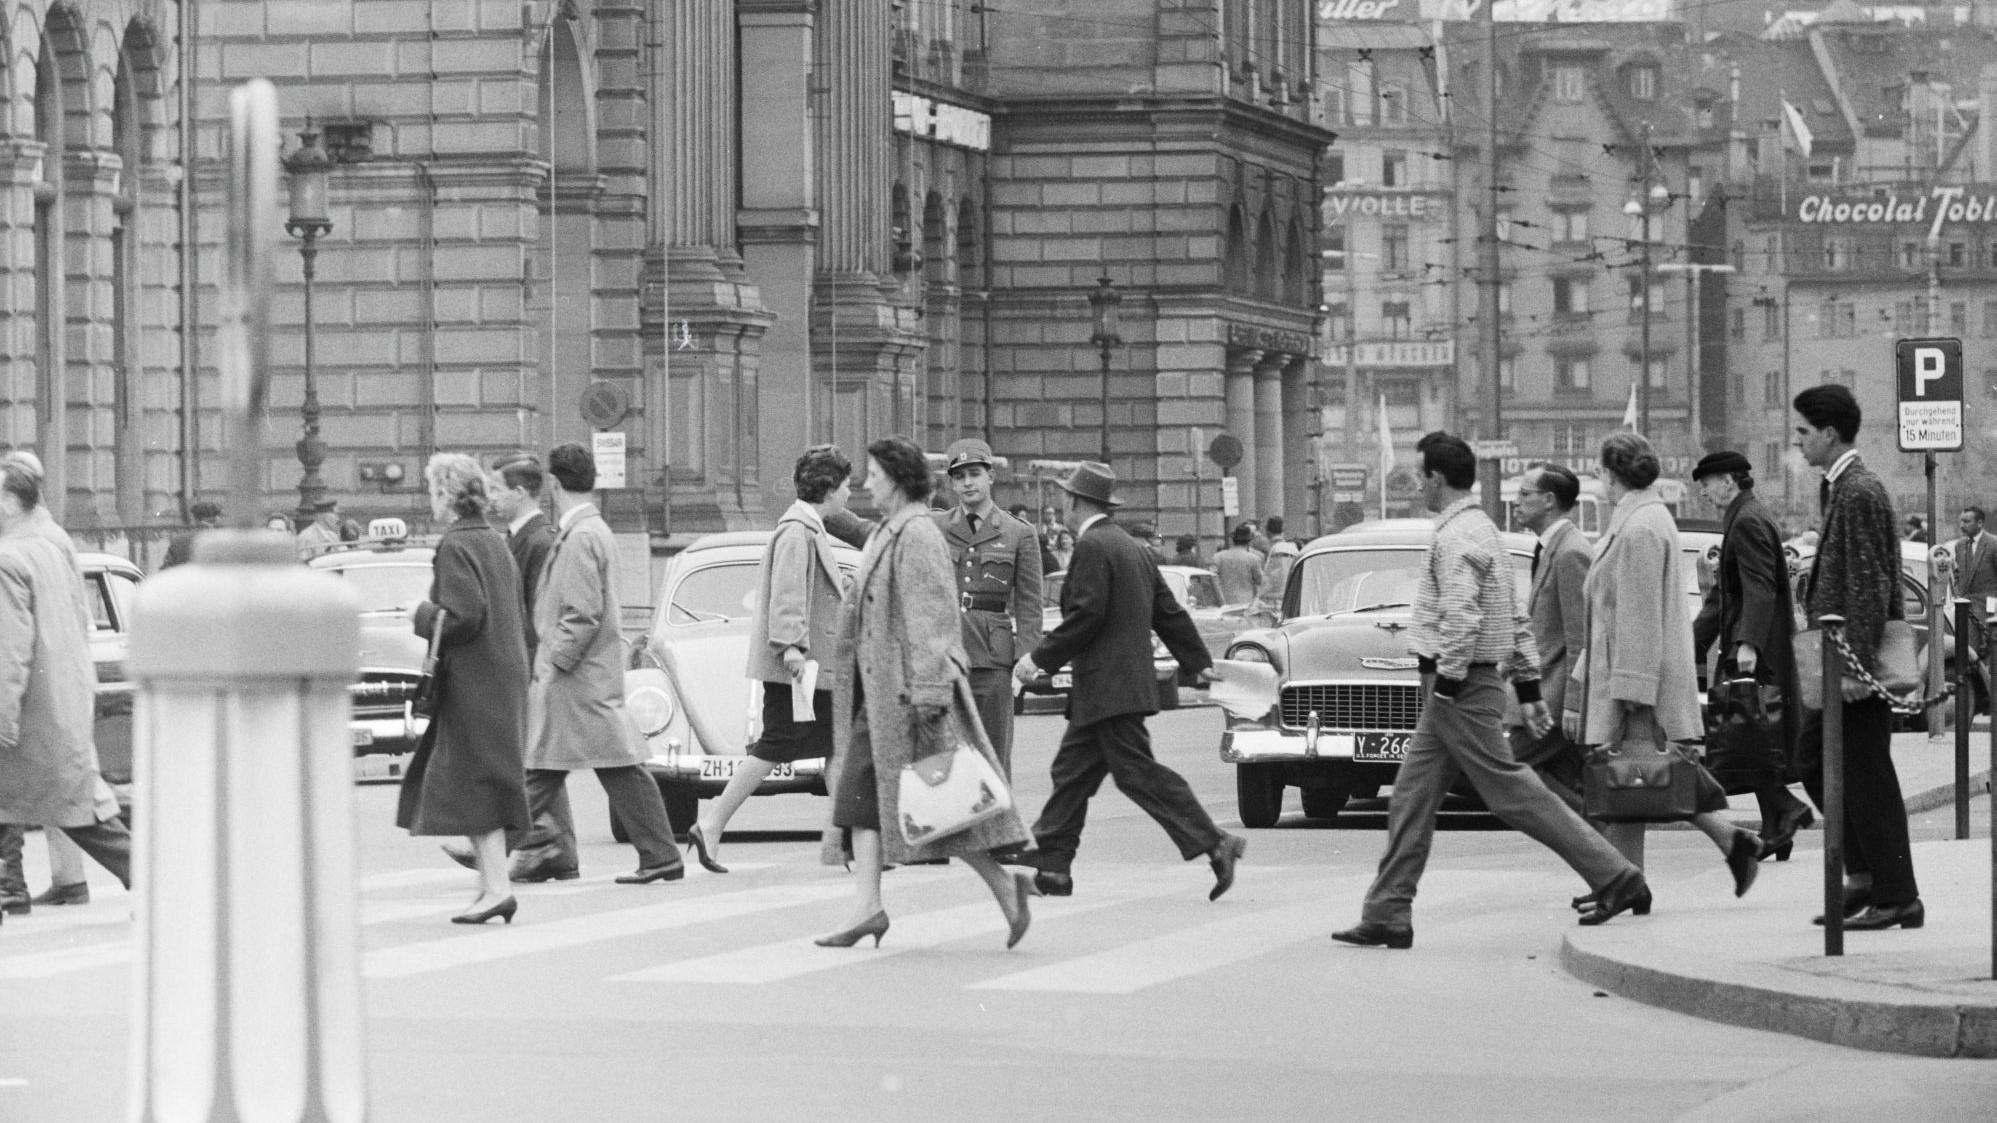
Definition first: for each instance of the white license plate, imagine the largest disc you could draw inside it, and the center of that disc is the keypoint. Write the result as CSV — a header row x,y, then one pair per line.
x,y
1062,682
363,737
723,768
1382,746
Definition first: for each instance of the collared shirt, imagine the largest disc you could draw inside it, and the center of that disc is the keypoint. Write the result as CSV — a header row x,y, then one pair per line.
x,y
808,515
1466,606
1087,523
1839,465
522,519
1546,536
572,514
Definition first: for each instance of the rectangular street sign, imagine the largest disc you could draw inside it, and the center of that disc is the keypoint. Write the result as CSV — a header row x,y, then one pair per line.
x,y
1928,376
1230,496
1495,450
608,449
1348,483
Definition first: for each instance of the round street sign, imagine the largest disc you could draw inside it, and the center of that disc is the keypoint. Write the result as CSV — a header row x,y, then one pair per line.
x,y
1225,450
605,404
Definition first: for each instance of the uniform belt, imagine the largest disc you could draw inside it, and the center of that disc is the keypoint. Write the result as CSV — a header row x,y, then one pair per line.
x,y
975,602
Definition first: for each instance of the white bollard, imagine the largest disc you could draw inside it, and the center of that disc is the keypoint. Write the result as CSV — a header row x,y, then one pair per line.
x,y
247,990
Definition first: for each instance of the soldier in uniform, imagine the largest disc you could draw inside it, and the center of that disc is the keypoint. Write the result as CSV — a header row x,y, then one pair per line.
x,y
997,560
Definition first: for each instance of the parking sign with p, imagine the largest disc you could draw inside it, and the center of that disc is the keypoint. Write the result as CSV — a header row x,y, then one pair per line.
x,y
1929,374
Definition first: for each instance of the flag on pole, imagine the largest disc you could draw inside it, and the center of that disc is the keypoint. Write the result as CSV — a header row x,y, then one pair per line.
x,y
1798,127
1629,411
1386,453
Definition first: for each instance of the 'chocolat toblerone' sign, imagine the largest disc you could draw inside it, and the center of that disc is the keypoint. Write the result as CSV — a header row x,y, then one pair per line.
x,y
1940,205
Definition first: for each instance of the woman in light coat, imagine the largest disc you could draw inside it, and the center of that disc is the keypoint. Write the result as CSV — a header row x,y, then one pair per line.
x,y
902,691
1637,679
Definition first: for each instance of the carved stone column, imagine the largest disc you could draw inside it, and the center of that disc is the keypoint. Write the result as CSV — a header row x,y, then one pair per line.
x,y
1268,453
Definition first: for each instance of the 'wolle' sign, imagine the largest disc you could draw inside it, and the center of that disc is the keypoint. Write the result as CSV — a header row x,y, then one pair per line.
x,y
1929,373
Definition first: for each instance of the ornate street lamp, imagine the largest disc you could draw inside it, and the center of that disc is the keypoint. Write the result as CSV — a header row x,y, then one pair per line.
x,y
310,170
1104,301
1643,207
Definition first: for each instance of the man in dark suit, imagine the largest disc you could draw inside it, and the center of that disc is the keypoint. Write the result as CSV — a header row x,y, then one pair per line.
x,y
1976,579
998,587
202,516
1856,575
1112,601
1750,615
1558,609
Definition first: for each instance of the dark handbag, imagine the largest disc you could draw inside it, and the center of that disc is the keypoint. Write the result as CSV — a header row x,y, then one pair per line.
x,y
1744,735
1639,781
429,683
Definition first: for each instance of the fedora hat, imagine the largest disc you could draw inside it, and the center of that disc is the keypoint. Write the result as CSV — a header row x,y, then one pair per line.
x,y
1092,480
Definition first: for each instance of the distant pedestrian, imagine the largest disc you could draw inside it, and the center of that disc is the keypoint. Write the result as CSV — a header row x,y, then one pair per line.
x,y
997,567
279,521
1112,603
1188,547
1239,568
1146,536
202,515
1062,546
1468,631
1638,678
323,532
1749,616
1261,537
1557,606
795,622
575,711
1274,580
1917,529
1856,575
48,687
466,776
902,695
1976,579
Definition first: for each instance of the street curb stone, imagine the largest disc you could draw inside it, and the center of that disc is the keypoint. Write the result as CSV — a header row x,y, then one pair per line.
x,y
1929,1029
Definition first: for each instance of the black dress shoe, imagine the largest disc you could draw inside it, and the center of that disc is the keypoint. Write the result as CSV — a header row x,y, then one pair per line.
x,y
1880,917
526,874
1855,901
648,874
1054,884
1369,935
1627,893
1224,856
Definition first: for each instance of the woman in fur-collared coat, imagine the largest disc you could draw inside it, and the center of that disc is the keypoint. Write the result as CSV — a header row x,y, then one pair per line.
x,y
902,692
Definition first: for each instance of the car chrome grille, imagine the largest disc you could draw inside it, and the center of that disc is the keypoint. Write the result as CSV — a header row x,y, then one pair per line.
x,y
382,693
1372,705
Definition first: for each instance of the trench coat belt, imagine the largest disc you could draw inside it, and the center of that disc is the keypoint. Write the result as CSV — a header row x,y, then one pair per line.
x,y
976,602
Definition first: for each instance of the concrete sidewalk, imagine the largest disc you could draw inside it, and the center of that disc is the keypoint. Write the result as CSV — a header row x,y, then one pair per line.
x,y
1758,961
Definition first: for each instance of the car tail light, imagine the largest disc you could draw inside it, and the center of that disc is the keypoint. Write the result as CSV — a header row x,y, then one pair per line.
x,y
652,707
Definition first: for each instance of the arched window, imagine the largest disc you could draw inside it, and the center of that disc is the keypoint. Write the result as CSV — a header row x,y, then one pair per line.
x,y
1235,265
968,259
51,430
936,263
1296,279
1268,262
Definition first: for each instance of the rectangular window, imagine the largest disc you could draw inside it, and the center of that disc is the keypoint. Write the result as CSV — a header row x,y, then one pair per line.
x,y
1737,329
1834,255
1771,390
1771,321
1910,255
1396,318
1570,226
1570,375
1990,318
1508,373
1958,319
1847,320
1958,254
1655,372
1334,166
1394,248
1393,106
1571,439
1637,294
1333,250
1643,82
1394,168
1570,83
1570,296
1903,318
1827,319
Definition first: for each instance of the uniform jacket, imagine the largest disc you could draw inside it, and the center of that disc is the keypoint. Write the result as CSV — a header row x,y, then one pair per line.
x,y
1976,570
900,644
529,546
1001,560
797,598
1111,602
575,706
470,778
1856,574
1639,627
1240,571
48,762
1558,608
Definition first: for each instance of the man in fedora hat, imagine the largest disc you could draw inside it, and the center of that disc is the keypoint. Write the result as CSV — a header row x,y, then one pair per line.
x,y
1111,602
997,560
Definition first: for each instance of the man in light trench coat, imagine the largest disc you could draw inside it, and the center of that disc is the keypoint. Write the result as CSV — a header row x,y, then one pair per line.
x,y
48,761
575,704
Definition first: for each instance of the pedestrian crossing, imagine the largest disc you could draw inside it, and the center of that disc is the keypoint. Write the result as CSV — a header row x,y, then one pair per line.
x,y
1130,928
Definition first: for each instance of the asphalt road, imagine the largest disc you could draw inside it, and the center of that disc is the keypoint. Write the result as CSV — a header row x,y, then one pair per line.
x,y
1135,999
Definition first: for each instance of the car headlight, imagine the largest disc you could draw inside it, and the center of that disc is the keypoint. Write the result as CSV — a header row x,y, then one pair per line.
x,y
1248,653
652,708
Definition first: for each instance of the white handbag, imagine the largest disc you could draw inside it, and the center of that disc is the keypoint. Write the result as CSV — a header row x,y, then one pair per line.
x,y
944,793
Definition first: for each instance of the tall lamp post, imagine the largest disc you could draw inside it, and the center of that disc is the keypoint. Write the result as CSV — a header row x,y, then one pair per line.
x,y
310,170
1656,199
1104,301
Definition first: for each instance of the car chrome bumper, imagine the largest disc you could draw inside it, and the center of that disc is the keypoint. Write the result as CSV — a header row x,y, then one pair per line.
x,y
1260,746
710,774
386,735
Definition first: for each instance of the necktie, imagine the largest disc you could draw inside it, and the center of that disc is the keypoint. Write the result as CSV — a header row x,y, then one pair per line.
x,y
1538,548
1824,495
973,520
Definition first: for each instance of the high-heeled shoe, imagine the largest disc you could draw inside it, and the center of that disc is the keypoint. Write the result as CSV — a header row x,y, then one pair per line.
x,y
1783,841
504,910
697,838
1744,860
1625,894
875,926
1022,888
1586,902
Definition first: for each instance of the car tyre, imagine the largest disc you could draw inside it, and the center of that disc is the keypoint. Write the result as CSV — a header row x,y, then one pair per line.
x,y
1258,789
1326,800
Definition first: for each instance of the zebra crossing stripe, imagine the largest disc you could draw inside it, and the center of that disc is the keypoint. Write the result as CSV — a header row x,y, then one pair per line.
x,y
1131,967
42,965
530,937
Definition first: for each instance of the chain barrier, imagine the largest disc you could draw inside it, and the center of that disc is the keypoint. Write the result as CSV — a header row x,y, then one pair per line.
x,y
1909,704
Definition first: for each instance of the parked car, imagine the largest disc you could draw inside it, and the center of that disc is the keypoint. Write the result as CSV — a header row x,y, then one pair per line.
x,y
110,584
391,574
1057,683
1346,693
686,686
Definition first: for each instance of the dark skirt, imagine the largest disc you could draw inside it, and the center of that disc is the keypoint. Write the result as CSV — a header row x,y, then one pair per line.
x,y
785,740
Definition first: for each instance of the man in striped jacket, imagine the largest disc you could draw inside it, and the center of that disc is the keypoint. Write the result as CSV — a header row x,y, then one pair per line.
x,y
1469,631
